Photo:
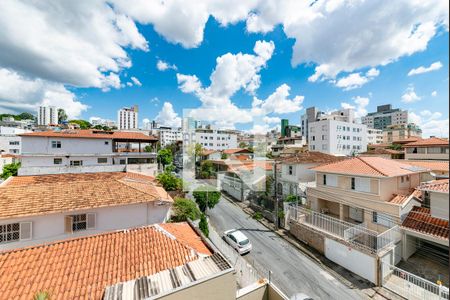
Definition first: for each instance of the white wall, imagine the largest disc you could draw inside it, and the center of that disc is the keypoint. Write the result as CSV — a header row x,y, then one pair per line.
x,y
439,205
50,227
10,144
216,141
356,261
43,145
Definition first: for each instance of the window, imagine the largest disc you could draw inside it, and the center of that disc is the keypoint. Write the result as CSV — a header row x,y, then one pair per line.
x,y
313,138
56,144
122,161
323,137
324,147
79,222
362,185
106,142
382,219
290,170
353,183
76,163
324,179
57,161
14,143
102,160
12,232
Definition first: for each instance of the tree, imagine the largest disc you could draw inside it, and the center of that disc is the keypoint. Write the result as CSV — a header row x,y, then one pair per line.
x,y
291,198
395,147
148,148
170,182
10,170
185,209
62,116
207,169
25,116
224,156
206,197
203,225
243,145
165,157
83,123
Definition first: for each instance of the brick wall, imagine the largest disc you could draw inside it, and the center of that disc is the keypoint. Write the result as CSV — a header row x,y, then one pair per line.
x,y
306,235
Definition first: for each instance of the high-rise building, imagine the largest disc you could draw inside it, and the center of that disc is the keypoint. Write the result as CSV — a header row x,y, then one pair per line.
x,y
47,115
310,116
385,116
401,132
127,118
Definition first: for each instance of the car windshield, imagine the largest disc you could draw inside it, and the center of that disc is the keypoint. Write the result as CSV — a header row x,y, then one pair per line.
x,y
244,242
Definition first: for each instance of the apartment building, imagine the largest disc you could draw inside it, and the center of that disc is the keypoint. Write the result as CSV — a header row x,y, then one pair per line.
x,y
216,139
41,209
284,143
427,149
102,122
373,190
77,151
385,116
294,173
169,135
311,115
374,136
400,132
127,118
28,124
47,115
337,136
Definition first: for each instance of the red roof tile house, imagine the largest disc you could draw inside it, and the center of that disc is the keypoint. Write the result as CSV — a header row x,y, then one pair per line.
x,y
428,149
371,190
426,227
38,209
82,151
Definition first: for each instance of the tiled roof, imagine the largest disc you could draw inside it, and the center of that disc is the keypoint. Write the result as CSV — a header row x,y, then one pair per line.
x,y
369,166
440,185
82,268
92,134
402,199
419,219
236,150
207,152
310,157
10,155
432,165
428,142
44,194
378,151
186,235
407,140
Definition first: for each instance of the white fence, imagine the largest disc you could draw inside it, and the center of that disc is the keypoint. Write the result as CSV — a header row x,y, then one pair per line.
x,y
411,286
357,234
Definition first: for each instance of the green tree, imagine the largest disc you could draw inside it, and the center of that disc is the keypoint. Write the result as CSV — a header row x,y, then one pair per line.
x,y
185,209
224,156
207,169
170,182
10,170
165,157
203,225
243,145
148,148
291,198
62,116
395,147
83,123
25,116
206,197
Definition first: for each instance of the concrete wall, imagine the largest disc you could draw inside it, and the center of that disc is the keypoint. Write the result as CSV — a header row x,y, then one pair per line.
x,y
23,171
50,227
43,145
439,205
354,260
222,287
308,236
10,144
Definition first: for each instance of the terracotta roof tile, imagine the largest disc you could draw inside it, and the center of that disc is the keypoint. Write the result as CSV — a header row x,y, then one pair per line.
x,y
82,268
43,194
432,165
419,219
378,151
440,185
428,142
398,199
207,152
369,166
236,150
310,157
187,235
92,134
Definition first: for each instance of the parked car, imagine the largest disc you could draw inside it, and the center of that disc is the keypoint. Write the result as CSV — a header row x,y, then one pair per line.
x,y
238,241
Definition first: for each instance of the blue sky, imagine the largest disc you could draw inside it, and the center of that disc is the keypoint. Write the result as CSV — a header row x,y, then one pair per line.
x,y
360,62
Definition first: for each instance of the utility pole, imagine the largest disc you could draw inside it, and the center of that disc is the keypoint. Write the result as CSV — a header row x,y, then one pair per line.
x,y
276,194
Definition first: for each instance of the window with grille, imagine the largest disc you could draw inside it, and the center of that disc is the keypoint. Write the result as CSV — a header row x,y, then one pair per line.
x,y
80,222
76,163
57,161
56,144
102,160
9,232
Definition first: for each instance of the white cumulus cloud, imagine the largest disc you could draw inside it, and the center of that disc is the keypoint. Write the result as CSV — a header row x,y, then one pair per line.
x,y
420,70
410,95
356,80
431,123
163,66
167,116
359,106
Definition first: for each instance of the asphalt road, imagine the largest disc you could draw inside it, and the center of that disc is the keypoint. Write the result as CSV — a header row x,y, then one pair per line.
x,y
293,272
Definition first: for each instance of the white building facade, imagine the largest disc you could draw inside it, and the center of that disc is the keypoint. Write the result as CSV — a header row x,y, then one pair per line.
x,y
374,136
10,142
168,135
216,139
127,118
337,137
47,115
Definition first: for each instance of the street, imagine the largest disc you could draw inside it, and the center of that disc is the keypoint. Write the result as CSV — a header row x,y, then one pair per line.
x,y
292,271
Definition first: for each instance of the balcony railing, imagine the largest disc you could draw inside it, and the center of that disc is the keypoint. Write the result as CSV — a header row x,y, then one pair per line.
x,y
359,235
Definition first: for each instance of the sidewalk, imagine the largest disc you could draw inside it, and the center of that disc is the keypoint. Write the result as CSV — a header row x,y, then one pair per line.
x,y
346,277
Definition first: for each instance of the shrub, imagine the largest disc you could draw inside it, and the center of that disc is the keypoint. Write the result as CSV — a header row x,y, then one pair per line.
x,y
10,170
257,216
170,182
185,209
203,225
291,198
206,197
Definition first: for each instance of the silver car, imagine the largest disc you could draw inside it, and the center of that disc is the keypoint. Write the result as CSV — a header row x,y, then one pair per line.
x,y
238,241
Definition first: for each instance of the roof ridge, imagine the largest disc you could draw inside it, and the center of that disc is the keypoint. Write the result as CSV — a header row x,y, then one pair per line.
x,y
360,158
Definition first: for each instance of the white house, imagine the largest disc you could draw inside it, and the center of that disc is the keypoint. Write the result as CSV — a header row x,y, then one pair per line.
x,y
216,139
75,151
9,140
38,209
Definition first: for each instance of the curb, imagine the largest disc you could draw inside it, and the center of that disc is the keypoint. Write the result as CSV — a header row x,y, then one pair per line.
x,y
301,249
